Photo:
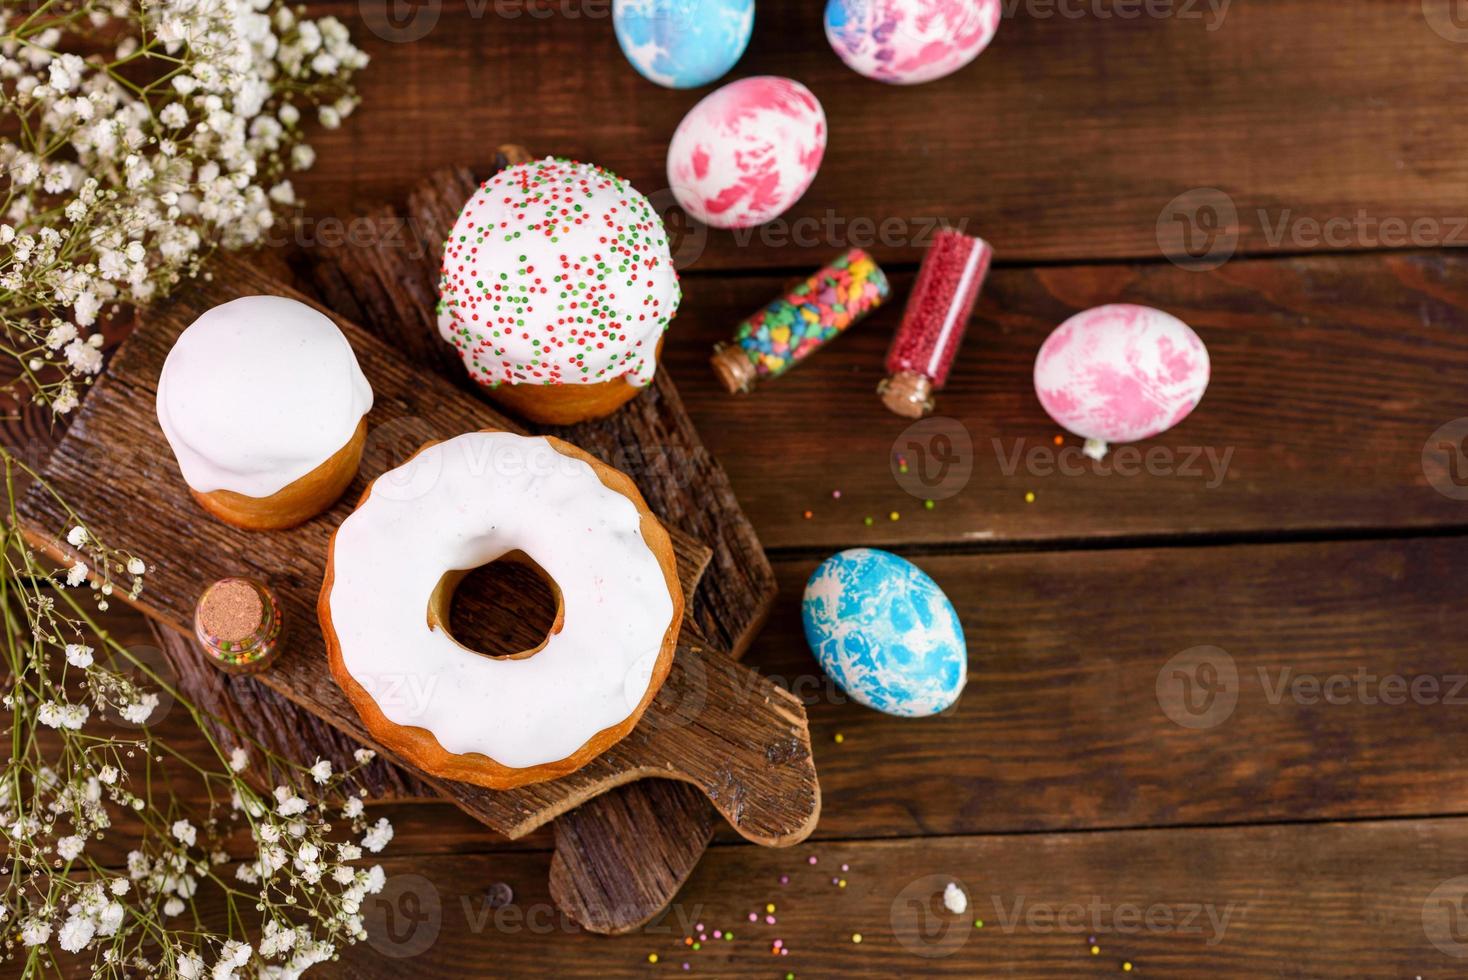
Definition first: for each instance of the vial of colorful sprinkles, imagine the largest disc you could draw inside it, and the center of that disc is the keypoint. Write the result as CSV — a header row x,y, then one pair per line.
x,y
933,323
803,319
237,621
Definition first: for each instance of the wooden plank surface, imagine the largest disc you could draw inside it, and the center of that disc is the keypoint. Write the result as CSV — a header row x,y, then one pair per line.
x,y
1064,777
1317,900
1331,375
1067,139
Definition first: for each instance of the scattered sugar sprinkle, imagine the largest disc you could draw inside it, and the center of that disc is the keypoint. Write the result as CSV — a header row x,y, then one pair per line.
x,y
954,900
838,738
1030,497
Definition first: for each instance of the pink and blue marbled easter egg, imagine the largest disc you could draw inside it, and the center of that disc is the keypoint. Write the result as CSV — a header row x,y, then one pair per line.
x,y
747,151
910,41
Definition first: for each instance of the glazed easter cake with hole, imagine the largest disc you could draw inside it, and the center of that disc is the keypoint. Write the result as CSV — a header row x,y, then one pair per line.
x,y
457,505
556,289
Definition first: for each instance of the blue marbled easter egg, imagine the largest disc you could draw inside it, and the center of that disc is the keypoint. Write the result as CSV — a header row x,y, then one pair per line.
x,y
884,631
683,43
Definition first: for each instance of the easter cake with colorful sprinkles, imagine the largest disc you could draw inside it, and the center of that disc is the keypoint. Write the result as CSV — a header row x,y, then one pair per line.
x,y
557,286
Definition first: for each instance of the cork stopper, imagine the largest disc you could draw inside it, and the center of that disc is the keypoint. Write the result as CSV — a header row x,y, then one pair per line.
x,y
231,611
908,394
237,623
734,369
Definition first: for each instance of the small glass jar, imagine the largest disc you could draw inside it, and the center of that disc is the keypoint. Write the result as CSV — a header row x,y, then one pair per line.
x,y
238,623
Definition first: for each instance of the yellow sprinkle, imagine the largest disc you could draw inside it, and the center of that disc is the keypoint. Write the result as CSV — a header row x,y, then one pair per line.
x,y
840,738
770,907
1095,950
1030,497
856,937
1127,967
652,957
841,883
894,515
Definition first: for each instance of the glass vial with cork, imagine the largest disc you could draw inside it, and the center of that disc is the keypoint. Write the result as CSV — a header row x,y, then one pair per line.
x,y
237,622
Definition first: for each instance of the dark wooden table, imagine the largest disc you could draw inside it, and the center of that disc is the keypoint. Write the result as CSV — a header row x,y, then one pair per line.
x,y
1218,692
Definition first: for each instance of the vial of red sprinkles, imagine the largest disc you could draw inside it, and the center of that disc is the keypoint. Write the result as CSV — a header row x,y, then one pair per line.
x,y
934,321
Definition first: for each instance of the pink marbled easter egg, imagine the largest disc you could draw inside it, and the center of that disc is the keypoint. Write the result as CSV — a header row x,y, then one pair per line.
x,y
746,153
1121,373
910,41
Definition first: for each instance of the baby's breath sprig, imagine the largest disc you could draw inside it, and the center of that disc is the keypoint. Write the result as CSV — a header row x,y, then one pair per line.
x,y
83,754
139,135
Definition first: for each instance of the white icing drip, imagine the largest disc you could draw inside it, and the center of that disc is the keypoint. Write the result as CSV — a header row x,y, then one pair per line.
x,y
257,393
464,503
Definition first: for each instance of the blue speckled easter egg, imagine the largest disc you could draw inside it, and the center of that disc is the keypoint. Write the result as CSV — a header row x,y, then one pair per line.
x,y
885,632
683,43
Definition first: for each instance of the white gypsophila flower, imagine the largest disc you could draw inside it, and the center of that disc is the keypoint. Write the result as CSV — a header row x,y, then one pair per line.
x,y
111,917
184,832
77,574
378,836
58,337
238,759
35,932
364,756
83,357
70,848
352,808
189,966
77,536
140,710
79,655
173,907
119,886
76,932
321,770
288,804
376,879
136,566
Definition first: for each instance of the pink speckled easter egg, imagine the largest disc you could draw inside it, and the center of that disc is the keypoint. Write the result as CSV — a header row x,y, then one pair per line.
x,y
1121,373
910,41
747,152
